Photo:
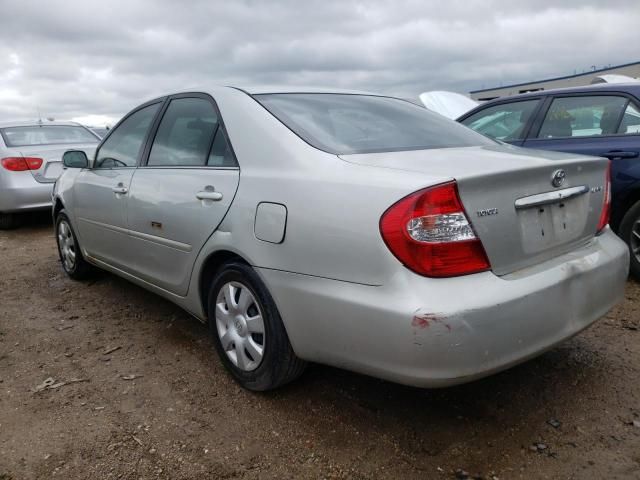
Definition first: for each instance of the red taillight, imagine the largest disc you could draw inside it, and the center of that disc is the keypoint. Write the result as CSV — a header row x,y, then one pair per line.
x,y
605,214
20,164
34,163
428,231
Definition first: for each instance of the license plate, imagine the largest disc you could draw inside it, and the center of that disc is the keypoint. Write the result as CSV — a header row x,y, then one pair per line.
x,y
547,226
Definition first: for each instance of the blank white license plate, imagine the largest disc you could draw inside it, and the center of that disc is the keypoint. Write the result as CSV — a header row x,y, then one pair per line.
x,y
547,226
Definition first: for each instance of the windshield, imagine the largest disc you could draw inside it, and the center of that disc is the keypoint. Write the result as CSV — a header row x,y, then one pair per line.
x,y
345,124
46,135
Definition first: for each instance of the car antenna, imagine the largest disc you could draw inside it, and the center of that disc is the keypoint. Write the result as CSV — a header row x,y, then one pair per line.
x,y
39,116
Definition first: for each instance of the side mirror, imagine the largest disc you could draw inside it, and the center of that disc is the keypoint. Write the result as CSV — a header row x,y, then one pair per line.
x,y
75,159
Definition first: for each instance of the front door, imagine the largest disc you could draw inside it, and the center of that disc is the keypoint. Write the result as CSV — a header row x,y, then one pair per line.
x,y
182,192
101,193
506,121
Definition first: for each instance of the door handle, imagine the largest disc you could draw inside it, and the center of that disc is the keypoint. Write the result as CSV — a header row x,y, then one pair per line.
x,y
120,188
620,154
209,194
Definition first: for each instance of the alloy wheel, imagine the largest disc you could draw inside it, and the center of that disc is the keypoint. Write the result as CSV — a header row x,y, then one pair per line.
x,y
67,245
240,325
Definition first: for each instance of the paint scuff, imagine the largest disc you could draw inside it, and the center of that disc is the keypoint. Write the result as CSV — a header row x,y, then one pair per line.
x,y
423,321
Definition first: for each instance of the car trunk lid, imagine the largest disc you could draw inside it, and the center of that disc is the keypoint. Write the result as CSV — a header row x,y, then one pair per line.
x,y
51,156
521,216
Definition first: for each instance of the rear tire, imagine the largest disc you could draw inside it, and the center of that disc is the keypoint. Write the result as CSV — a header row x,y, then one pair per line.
x,y
7,221
71,257
248,332
630,233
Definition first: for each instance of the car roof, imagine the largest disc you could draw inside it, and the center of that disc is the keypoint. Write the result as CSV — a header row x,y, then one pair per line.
x,y
633,88
266,89
35,123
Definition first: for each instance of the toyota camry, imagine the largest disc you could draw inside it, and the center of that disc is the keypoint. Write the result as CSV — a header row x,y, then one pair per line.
x,y
344,228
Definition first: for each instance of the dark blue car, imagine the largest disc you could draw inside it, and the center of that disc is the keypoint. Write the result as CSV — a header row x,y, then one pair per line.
x,y
602,120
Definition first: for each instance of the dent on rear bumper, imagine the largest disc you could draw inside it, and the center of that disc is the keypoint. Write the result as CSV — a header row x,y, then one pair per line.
x,y
439,332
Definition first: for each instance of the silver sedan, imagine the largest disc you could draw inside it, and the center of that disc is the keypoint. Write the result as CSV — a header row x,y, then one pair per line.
x,y
344,228
31,161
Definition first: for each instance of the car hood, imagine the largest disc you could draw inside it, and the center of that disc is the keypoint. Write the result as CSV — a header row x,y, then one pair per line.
x,y
449,104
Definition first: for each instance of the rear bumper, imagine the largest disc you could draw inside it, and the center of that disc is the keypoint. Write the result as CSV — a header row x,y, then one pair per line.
x,y
20,192
439,332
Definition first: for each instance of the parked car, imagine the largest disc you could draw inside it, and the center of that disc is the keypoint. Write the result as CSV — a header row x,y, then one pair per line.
x,y
31,161
349,229
602,120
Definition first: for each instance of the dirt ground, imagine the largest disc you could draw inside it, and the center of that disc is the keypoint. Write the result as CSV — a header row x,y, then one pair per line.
x,y
160,405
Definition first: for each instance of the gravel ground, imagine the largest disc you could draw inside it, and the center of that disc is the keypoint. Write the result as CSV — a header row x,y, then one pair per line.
x,y
146,397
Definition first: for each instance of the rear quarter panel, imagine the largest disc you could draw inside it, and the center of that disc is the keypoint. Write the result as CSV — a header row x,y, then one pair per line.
x,y
333,207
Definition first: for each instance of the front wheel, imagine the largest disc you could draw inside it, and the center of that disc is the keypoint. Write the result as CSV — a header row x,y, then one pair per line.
x,y
71,257
248,332
630,233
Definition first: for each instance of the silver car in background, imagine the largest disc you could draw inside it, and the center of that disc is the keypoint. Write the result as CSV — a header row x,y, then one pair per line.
x,y
350,229
31,161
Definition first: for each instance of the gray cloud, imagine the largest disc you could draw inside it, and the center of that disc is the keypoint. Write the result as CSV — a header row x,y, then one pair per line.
x,y
72,58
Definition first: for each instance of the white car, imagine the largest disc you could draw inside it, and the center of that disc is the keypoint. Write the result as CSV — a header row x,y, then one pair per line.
x,y
31,161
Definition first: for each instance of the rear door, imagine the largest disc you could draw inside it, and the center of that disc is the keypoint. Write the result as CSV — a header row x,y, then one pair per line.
x,y
589,124
101,193
506,121
602,124
182,192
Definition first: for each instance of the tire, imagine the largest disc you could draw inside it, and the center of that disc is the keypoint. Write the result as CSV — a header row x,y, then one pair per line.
x,y
630,233
258,361
7,221
69,251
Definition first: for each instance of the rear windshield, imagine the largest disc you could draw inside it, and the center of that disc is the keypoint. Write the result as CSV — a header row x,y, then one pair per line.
x,y
344,124
46,135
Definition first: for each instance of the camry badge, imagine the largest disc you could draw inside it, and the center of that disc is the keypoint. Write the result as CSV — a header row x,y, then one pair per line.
x,y
487,212
558,177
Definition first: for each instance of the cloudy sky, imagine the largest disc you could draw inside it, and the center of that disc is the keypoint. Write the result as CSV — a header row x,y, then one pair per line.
x,y
70,59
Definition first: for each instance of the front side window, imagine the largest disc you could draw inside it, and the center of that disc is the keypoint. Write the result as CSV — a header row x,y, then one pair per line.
x,y
347,124
504,122
630,124
124,145
46,135
190,135
586,116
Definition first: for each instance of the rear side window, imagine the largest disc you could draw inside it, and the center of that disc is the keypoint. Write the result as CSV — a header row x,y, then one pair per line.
x,y
346,124
505,122
586,116
630,124
123,146
190,135
46,135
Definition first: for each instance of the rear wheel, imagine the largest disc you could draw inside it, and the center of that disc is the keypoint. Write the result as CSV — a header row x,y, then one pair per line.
x,y
71,257
630,233
7,221
248,332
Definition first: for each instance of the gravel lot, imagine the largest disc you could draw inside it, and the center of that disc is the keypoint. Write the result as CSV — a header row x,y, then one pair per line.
x,y
160,405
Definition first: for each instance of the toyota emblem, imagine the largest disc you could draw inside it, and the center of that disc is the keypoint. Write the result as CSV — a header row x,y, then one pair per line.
x,y
558,177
